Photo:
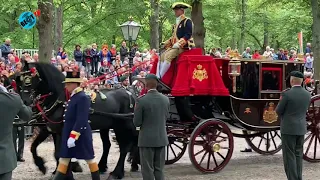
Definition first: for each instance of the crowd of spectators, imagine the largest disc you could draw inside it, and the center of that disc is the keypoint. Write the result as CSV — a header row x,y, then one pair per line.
x,y
92,62
268,54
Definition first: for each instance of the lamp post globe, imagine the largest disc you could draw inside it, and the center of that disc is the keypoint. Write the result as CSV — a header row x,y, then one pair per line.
x,y
130,31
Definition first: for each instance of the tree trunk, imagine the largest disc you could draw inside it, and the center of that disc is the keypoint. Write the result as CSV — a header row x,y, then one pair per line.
x,y
243,24
44,27
199,30
315,4
160,32
265,33
154,24
59,27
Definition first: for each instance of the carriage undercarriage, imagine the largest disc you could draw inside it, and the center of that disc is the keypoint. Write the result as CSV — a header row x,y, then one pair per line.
x,y
248,112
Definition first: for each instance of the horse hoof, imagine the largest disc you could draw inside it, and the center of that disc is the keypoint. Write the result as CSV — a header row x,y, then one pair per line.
x,y
111,177
43,170
134,169
76,168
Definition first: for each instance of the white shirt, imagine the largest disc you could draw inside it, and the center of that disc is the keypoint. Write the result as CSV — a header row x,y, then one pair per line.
x,y
178,20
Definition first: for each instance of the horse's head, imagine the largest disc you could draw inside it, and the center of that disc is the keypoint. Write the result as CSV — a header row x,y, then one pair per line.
x,y
27,85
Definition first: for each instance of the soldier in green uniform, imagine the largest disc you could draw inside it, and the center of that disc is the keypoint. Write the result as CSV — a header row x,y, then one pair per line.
x,y
11,107
292,109
150,114
124,82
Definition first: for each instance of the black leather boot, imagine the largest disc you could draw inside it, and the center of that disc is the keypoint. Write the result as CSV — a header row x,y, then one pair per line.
x,y
95,175
59,176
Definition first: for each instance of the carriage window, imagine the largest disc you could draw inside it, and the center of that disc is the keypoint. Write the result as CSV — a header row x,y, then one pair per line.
x,y
271,79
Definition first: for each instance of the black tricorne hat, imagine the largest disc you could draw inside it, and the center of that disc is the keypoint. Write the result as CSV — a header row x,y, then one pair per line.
x,y
73,77
180,5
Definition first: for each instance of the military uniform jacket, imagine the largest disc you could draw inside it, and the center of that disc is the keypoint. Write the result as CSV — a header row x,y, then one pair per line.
x,y
76,119
292,109
11,105
182,33
150,114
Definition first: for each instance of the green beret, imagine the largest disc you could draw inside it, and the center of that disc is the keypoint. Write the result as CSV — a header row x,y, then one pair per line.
x,y
296,74
123,78
151,76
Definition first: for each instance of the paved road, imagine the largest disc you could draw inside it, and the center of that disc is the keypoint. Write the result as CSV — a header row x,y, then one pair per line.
x,y
248,166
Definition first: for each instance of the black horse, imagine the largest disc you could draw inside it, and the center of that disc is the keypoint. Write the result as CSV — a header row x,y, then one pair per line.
x,y
114,111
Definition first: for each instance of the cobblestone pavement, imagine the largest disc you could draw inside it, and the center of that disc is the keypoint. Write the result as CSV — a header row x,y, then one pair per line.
x,y
248,166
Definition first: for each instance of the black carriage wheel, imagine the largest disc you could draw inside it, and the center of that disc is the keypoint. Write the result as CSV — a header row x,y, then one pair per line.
x,y
268,143
211,146
177,146
311,152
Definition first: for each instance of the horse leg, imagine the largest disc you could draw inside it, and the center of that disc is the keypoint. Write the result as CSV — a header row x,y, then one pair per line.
x,y
124,141
56,142
104,135
135,156
43,135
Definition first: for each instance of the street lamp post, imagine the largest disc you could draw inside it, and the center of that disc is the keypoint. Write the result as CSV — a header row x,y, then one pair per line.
x,y
130,31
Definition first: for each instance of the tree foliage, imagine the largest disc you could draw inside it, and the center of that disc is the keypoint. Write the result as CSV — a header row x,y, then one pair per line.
x,y
88,21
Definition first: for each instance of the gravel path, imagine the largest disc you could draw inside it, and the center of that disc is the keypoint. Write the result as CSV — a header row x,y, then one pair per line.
x,y
249,166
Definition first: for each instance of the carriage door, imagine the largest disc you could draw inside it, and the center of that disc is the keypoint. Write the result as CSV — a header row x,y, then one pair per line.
x,y
271,80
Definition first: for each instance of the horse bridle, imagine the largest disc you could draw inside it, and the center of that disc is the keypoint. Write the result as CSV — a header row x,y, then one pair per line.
x,y
38,100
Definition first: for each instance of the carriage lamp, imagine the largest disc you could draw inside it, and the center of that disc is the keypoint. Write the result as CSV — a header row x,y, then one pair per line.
x,y
234,70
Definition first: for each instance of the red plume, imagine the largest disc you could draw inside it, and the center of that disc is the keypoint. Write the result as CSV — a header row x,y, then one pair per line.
x,y
37,13
33,70
14,85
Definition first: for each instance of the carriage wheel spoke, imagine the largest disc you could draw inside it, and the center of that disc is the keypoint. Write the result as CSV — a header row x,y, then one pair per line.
x,y
199,152
208,162
214,159
274,143
315,147
174,153
167,152
202,137
221,155
253,138
308,148
224,147
267,142
278,134
203,157
260,142
309,136
177,146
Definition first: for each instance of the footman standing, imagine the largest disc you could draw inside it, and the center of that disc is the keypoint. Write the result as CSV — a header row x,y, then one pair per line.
x,y
292,109
150,114
76,135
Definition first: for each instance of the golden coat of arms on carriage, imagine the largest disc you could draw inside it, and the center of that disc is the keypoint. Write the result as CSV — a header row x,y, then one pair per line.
x,y
270,115
200,73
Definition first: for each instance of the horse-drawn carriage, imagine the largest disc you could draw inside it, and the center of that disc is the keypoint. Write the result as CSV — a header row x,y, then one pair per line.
x,y
215,100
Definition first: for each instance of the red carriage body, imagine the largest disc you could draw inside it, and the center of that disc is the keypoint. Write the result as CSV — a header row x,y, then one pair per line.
x,y
193,74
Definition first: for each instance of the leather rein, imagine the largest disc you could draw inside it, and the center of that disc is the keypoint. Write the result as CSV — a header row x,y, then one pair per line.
x,y
44,112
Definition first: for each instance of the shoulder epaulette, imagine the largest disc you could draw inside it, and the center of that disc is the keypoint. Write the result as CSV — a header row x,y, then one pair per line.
x,y
185,22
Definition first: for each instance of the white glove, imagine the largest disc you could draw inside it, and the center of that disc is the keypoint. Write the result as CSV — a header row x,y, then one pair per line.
x,y
176,46
71,142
